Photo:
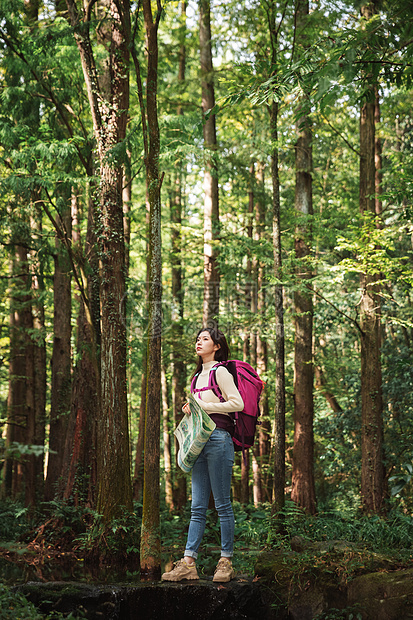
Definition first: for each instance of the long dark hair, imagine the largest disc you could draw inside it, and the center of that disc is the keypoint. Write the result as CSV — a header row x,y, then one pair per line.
x,y
221,354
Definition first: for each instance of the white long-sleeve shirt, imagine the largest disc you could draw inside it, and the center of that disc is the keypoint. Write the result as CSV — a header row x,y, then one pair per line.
x,y
209,401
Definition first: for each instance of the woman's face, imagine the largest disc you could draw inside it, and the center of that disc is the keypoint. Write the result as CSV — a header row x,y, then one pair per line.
x,y
206,347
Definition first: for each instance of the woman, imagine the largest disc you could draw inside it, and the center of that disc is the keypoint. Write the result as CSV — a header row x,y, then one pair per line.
x,y
213,468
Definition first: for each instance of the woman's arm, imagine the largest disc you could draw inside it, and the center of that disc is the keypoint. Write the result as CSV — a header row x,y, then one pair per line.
x,y
233,400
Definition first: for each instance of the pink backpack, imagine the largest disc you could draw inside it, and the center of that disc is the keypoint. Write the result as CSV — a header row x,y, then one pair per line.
x,y
250,387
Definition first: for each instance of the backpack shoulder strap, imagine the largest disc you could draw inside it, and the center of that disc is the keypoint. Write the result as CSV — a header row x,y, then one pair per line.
x,y
193,383
213,383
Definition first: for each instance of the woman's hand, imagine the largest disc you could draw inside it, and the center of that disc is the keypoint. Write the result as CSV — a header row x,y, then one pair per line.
x,y
186,409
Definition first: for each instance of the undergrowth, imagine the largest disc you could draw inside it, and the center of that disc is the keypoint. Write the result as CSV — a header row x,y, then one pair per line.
x,y
391,533
15,606
255,529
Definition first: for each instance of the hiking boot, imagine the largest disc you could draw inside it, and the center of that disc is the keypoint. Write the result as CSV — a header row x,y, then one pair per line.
x,y
182,570
224,571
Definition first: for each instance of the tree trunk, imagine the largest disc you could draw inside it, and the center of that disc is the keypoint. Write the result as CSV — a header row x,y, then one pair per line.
x,y
303,485
139,451
19,383
264,432
257,480
150,550
30,419
372,467
140,444
378,163
249,349
211,205
60,399
40,384
179,369
279,415
40,371
167,453
245,478
109,122
127,201
80,461
320,385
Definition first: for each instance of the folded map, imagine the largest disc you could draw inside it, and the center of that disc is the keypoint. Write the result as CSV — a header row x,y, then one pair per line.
x,y
192,433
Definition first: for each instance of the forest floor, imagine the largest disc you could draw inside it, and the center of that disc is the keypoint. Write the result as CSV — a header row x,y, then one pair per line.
x,y
328,561
332,579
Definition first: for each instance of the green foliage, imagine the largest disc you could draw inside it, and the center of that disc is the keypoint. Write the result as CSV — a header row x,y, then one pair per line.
x,y
14,606
13,520
121,536
72,520
348,613
19,451
402,479
392,534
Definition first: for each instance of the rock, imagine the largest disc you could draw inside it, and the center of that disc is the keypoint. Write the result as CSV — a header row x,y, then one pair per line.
x,y
239,599
383,596
287,586
308,585
95,602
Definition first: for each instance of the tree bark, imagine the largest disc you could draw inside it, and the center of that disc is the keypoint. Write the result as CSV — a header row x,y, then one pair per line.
x,y
39,367
60,399
40,381
167,452
245,478
372,467
150,550
249,348
80,461
264,430
279,414
140,444
320,385
303,484
139,452
17,414
378,159
109,123
179,368
211,201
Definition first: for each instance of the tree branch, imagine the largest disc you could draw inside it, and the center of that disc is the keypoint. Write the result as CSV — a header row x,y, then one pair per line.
x,y
140,88
349,318
88,62
14,47
63,236
87,7
341,136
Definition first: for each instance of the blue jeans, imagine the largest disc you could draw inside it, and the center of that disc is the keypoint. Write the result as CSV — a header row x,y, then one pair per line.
x,y
212,471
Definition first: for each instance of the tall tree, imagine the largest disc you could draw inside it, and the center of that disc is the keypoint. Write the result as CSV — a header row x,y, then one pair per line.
x,y
279,415
109,115
61,357
150,549
39,362
35,371
13,471
372,467
303,485
167,450
264,444
80,459
211,196
176,210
